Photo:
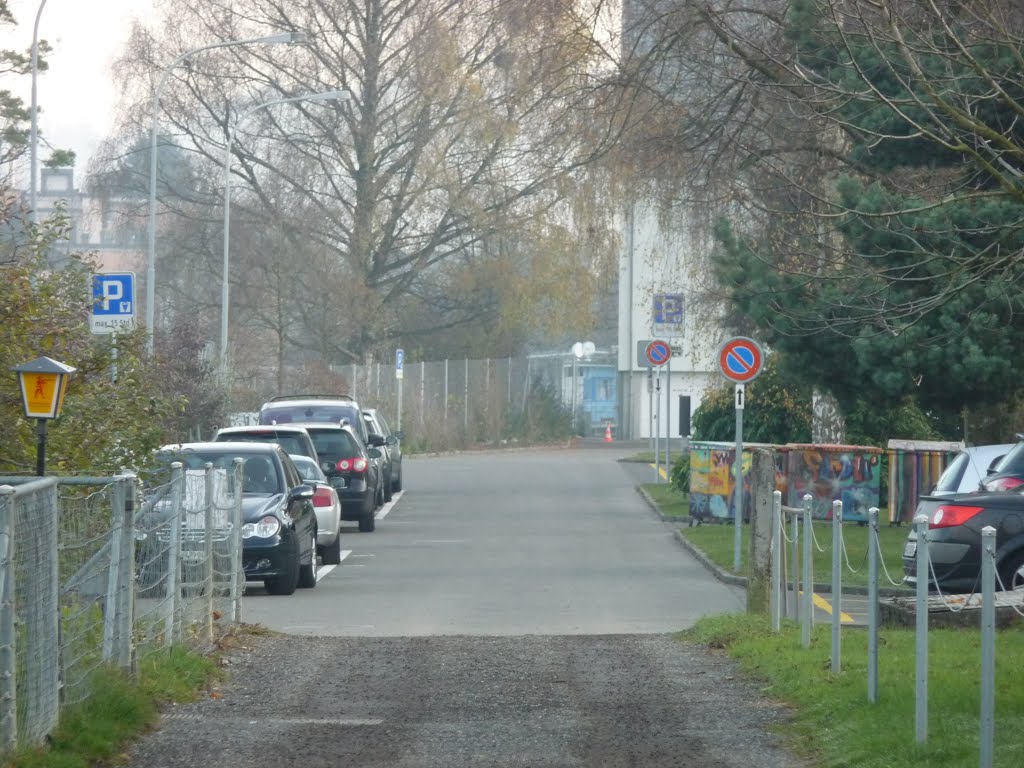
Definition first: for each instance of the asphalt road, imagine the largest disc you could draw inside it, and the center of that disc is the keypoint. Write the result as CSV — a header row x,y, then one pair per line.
x,y
511,609
506,543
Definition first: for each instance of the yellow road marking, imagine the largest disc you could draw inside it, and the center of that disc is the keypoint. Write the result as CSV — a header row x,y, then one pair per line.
x,y
660,470
826,606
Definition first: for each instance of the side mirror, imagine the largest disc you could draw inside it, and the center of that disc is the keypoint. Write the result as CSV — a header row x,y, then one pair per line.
x,y
300,492
376,440
400,435
391,440
373,453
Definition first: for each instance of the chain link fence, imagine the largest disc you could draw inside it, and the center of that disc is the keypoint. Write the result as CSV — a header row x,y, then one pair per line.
x,y
462,403
104,571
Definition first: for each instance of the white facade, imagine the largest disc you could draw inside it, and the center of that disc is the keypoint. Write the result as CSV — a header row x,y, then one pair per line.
x,y
665,255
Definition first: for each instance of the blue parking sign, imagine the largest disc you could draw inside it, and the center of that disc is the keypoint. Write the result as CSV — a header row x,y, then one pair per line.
x,y
113,302
399,362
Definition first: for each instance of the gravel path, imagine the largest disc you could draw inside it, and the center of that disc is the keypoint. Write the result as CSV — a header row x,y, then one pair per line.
x,y
539,701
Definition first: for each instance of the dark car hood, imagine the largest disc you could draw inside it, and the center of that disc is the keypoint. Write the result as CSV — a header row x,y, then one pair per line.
x,y
255,507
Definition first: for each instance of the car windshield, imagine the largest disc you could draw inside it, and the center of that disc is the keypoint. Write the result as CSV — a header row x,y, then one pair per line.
x,y
259,475
334,444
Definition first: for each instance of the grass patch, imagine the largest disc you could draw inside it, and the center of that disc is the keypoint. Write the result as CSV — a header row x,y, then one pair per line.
x,y
671,502
834,723
717,541
119,709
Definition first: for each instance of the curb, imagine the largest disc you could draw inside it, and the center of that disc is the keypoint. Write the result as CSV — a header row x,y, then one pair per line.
x,y
728,577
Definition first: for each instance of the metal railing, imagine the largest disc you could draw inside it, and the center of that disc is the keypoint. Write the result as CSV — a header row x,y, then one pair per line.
x,y
101,571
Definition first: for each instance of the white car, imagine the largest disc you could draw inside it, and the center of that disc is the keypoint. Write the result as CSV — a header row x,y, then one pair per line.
x,y
327,507
965,472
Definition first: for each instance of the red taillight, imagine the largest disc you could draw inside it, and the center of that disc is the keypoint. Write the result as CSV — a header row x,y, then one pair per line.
x,y
1003,484
948,515
357,465
322,497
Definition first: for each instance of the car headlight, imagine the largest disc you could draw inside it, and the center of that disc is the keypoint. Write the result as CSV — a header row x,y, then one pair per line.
x,y
264,529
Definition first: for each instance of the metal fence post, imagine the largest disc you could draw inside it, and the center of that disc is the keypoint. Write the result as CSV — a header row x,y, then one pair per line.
x,y
237,576
126,652
173,581
837,584
873,605
988,645
208,550
8,637
921,633
465,404
807,613
111,603
795,565
778,585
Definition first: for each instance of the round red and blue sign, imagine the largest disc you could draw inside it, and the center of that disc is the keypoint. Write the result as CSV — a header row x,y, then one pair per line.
x,y
658,352
740,359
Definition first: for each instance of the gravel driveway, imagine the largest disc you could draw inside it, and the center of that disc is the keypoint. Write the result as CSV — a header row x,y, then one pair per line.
x,y
613,700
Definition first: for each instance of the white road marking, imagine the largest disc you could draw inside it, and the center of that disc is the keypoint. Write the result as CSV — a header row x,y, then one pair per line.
x,y
388,507
323,570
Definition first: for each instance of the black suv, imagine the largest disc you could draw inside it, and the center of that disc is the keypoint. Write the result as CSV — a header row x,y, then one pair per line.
x,y
352,469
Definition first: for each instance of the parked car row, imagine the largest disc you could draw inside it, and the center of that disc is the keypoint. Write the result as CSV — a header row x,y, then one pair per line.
x,y
311,462
982,486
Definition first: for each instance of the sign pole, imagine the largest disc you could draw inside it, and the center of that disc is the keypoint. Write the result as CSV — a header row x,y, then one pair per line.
x,y
399,375
668,418
657,430
740,360
650,408
738,472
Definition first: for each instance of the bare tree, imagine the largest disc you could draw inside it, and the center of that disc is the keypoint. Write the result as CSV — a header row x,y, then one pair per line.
x,y
471,125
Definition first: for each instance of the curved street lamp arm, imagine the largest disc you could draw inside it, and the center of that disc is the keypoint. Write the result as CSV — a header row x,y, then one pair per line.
x,y
283,37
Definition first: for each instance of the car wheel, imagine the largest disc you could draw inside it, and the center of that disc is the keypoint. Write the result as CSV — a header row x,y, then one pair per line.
x,y
396,483
286,583
332,552
1012,571
388,489
307,573
367,523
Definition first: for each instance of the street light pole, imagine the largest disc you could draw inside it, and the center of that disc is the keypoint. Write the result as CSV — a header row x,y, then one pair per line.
x,y
33,142
225,282
284,37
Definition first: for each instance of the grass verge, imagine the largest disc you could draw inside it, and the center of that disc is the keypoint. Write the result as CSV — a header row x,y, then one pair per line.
x,y
120,708
834,724
717,541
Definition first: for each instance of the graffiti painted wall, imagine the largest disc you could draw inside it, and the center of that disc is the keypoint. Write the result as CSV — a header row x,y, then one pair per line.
x,y
847,473
711,479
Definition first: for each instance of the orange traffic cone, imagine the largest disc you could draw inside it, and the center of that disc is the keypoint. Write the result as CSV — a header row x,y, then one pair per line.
x,y
608,433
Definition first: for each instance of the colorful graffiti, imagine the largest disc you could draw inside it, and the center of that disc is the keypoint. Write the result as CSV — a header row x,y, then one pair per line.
x,y
847,473
712,483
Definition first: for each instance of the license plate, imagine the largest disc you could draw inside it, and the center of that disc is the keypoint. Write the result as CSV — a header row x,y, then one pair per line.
x,y
910,549
193,557
339,482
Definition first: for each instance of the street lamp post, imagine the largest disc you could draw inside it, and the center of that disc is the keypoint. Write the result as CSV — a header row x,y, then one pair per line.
x,y
33,142
225,282
284,37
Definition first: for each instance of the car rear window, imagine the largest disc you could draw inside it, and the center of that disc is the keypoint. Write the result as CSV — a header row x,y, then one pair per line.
x,y
290,443
949,480
334,444
316,414
1012,461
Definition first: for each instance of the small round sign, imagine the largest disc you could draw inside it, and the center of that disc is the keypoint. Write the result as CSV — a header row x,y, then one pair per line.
x,y
658,352
740,359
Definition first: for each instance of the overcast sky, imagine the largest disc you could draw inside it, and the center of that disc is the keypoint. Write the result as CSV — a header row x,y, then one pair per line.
x,y
76,95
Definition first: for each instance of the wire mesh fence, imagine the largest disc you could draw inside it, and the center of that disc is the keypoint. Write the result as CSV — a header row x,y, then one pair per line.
x,y
100,572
